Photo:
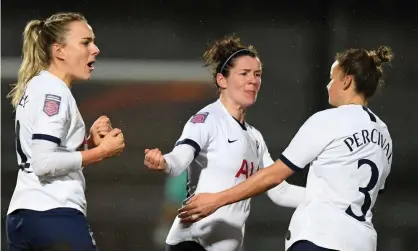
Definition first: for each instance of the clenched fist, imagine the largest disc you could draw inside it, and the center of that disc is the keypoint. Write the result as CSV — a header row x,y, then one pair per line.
x,y
154,160
113,143
100,128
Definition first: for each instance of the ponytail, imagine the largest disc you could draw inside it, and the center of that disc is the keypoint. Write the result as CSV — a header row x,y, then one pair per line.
x,y
35,59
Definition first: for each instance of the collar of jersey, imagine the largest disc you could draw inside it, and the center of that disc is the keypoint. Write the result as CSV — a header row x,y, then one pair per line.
x,y
242,125
45,72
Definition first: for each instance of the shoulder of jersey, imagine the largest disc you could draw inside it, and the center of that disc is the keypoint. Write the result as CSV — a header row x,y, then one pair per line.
x,y
348,112
206,114
45,83
326,114
255,130
327,117
335,116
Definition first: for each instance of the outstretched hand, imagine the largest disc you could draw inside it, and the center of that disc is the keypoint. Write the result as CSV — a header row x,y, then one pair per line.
x,y
199,207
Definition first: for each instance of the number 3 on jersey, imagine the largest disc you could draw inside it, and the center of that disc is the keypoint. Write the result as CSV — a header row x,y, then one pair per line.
x,y
365,190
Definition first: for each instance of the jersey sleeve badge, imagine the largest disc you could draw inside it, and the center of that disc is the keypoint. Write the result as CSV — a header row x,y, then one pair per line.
x,y
52,104
199,117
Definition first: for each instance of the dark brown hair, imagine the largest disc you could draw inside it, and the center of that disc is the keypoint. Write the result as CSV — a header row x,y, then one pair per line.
x,y
222,55
365,66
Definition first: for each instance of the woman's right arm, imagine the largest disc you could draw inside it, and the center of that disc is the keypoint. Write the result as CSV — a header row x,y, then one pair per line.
x,y
197,133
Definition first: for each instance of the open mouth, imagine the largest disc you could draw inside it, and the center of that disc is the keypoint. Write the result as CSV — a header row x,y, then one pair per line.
x,y
90,65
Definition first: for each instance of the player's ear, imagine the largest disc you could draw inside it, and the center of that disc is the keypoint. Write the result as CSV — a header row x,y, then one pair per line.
x,y
221,80
58,51
347,81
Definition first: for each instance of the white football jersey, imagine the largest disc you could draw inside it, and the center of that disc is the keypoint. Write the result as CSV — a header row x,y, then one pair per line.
x,y
349,150
227,153
48,111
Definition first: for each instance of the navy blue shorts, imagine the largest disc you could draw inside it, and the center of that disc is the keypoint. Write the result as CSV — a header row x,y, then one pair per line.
x,y
185,246
307,246
60,229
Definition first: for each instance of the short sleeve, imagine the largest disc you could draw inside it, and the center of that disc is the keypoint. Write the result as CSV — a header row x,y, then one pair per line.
x,y
51,115
197,132
308,143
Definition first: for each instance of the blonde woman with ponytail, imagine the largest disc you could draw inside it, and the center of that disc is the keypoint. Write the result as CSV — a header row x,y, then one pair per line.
x,y
48,207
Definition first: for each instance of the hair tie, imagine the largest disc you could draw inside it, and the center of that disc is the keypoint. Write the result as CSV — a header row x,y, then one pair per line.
x,y
41,26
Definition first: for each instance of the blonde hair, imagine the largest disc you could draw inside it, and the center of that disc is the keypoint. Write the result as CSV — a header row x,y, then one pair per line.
x,y
38,37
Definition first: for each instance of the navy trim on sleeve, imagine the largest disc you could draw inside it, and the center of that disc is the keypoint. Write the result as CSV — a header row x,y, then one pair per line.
x,y
47,137
191,143
289,163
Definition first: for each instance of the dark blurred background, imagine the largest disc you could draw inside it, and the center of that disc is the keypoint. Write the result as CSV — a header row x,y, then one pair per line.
x,y
149,81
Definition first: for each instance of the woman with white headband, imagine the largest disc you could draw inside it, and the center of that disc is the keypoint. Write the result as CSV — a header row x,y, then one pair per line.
x,y
220,150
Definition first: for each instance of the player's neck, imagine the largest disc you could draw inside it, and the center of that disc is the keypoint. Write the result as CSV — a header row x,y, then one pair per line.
x,y
356,100
53,69
235,110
